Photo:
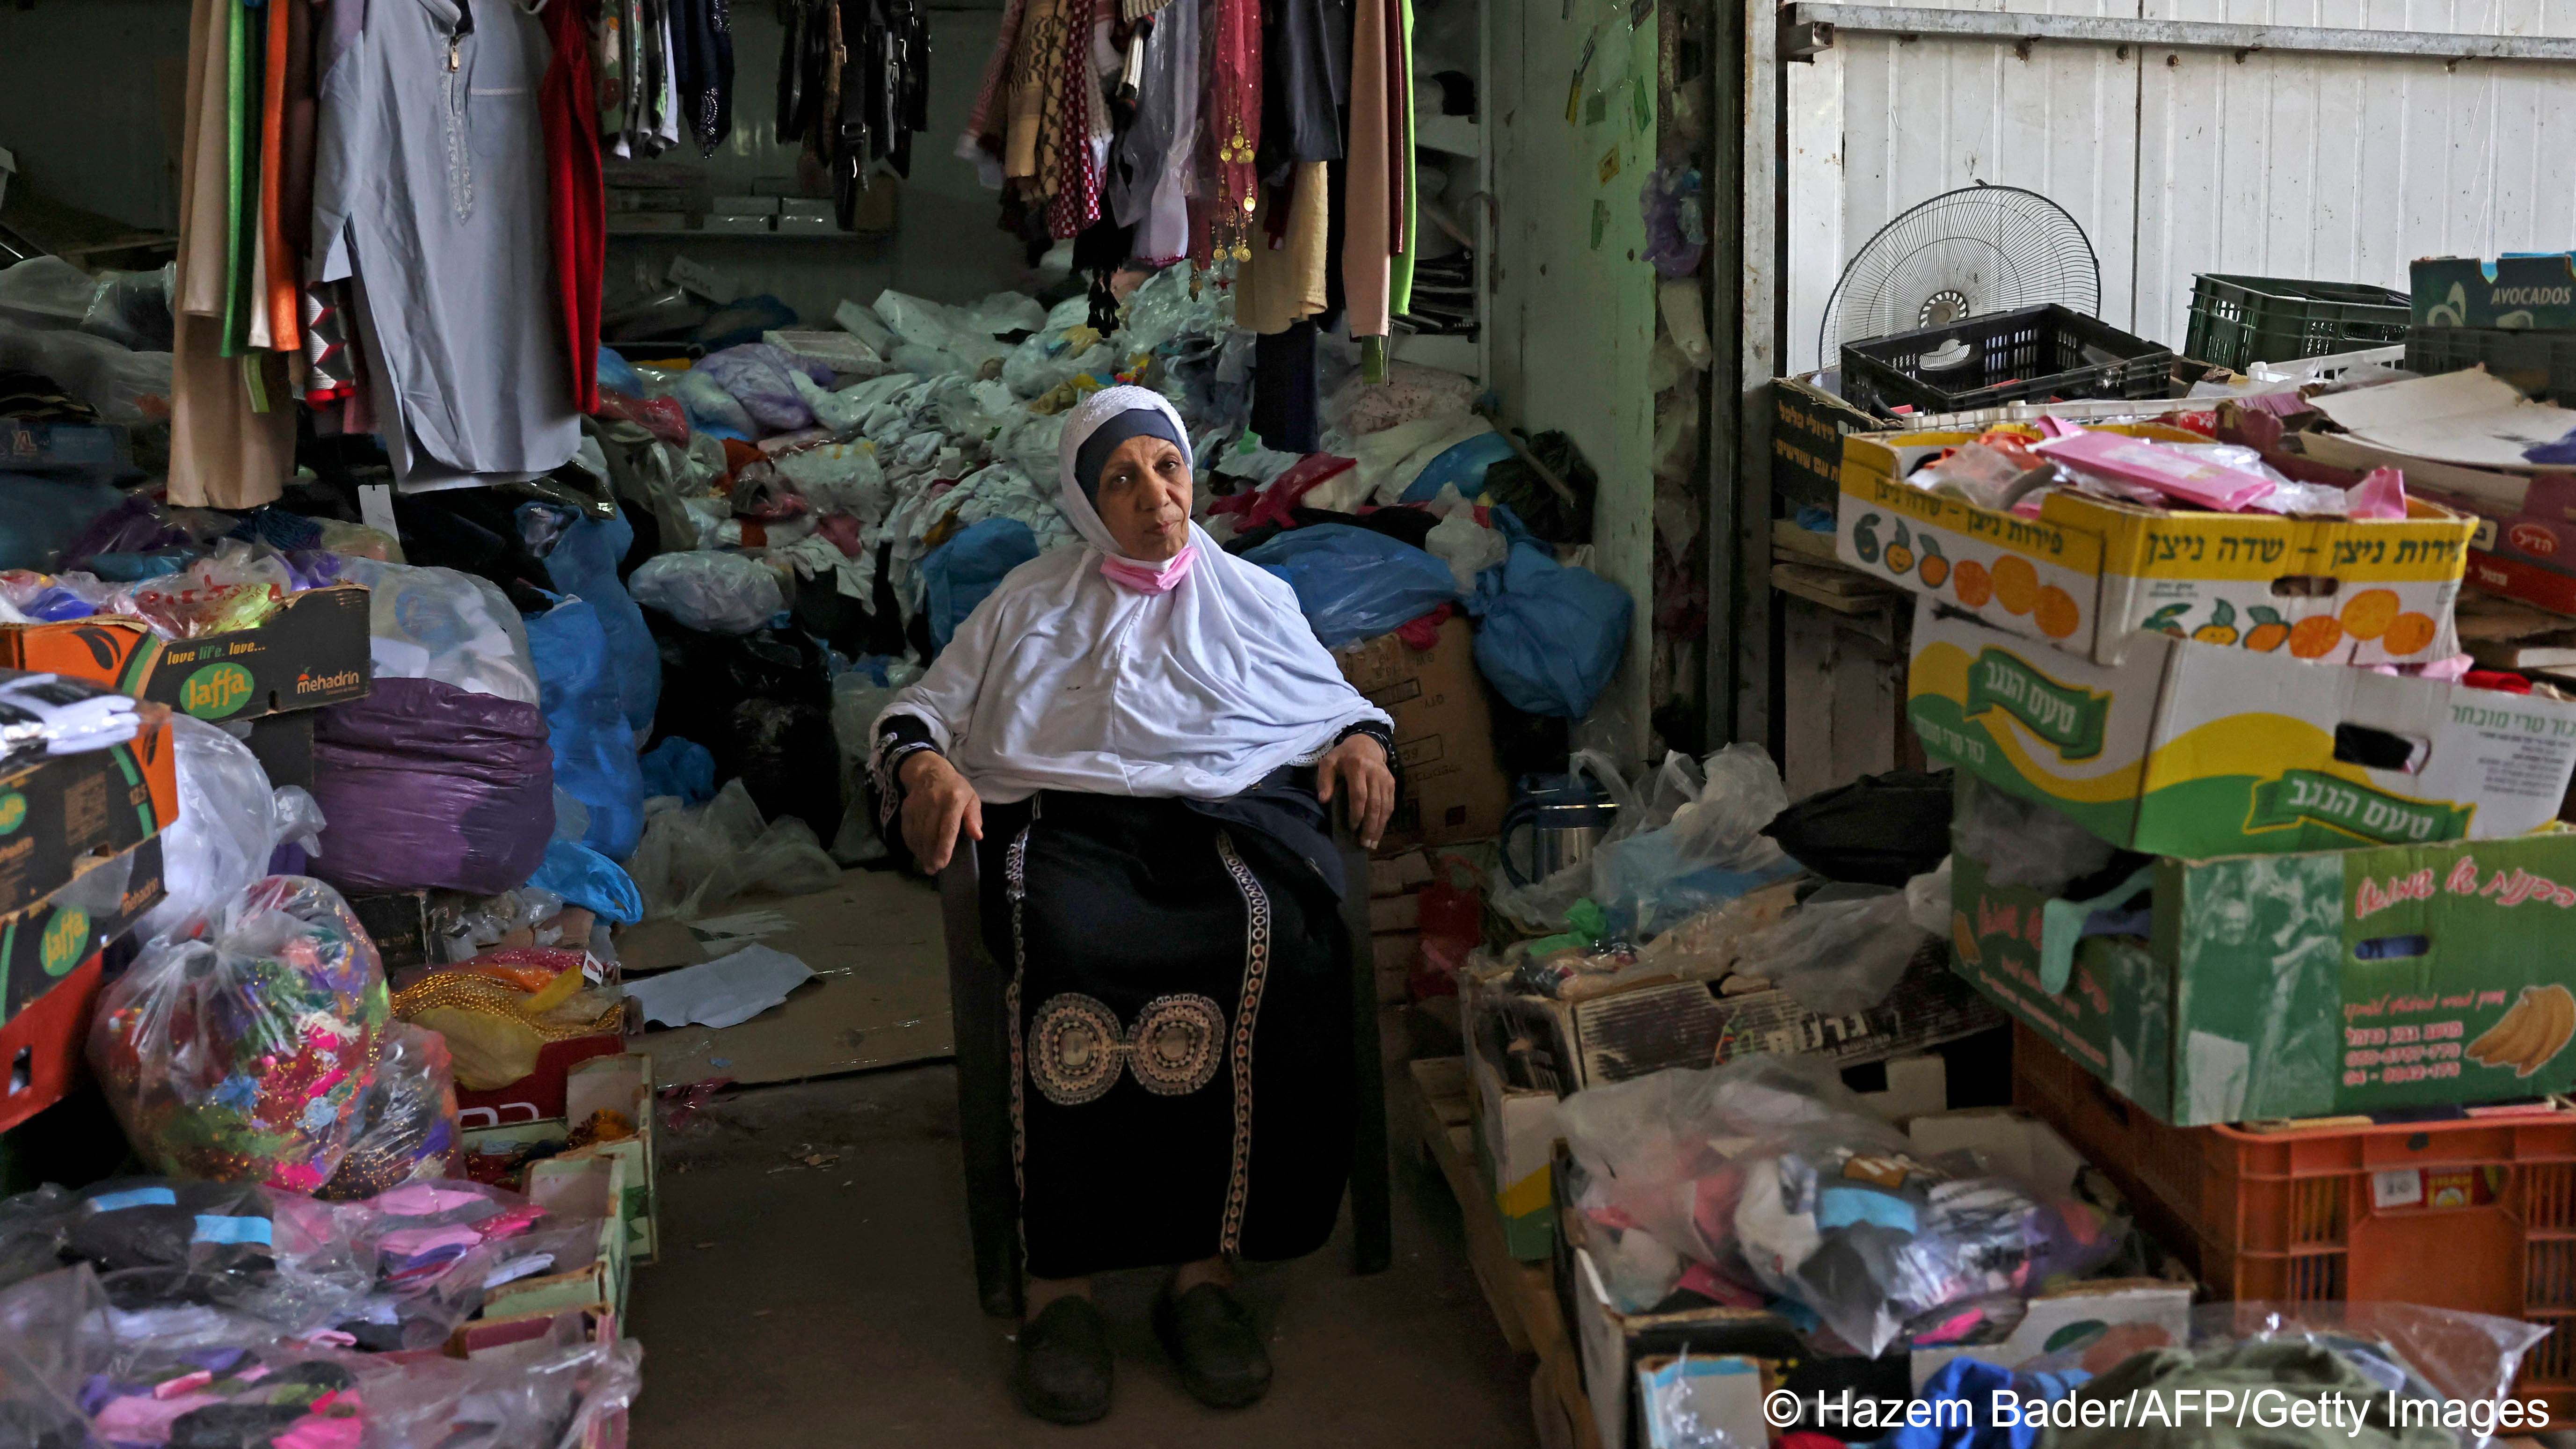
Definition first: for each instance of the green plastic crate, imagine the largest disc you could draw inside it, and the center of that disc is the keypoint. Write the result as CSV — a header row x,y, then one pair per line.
x,y
2239,321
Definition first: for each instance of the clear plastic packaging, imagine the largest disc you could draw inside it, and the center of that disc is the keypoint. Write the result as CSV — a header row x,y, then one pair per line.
x,y
406,1121
2022,843
1466,546
1701,844
456,628
244,1057
721,593
557,1391
694,859
1841,952
711,409
230,822
1708,945
759,377
233,588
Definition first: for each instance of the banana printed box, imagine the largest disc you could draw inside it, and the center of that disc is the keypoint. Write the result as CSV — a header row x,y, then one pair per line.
x,y
2196,749
2304,985
2088,572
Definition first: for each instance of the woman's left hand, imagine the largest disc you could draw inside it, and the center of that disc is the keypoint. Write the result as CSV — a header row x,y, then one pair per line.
x,y
1357,767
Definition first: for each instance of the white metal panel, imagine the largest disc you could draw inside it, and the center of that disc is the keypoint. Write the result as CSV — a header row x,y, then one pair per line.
x,y
1921,117
2344,169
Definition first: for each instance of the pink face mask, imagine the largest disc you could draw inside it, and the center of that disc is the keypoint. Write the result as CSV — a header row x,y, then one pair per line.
x,y
1159,578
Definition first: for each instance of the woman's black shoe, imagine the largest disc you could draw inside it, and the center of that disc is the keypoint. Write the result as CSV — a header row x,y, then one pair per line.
x,y
1065,1368
1208,1334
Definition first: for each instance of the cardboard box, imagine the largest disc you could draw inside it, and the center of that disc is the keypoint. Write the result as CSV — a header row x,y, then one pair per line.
x,y
1634,1033
2307,985
52,963
2194,749
1516,1128
312,651
1807,427
623,1084
2535,292
62,815
1444,733
1396,913
540,1095
585,1186
399,925
2089,571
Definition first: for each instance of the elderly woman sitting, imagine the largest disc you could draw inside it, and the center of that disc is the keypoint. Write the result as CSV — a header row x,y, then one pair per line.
x,y
1140,736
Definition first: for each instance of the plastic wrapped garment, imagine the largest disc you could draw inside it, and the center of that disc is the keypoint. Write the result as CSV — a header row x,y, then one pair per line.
x,y
840,478
960,573
695,859
230,822
2405,1375
426,785
455,628
121,385
721,593
586,729
712,410
406,1120
583,563
244,1057
1551,635
1353,583
1878,830
1840,952
757,374
234,1252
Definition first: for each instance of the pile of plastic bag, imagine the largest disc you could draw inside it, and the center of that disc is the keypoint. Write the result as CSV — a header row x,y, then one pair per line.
x,y
1766,1177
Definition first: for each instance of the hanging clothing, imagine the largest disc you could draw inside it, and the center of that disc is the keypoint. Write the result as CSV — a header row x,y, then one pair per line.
x,y
703,33
1149,166
280,275
1286,408
1222,214
223,452
1399,279
430,191
575,189
1063,679
1306,75
1368,238
1284,282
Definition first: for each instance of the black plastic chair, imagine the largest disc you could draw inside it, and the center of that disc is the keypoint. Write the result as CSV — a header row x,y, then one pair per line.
x,y
976,979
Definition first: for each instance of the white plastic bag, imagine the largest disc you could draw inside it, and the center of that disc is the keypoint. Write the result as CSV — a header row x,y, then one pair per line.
x,y
857,699
2023,843
229,823
1700,842
721,593
1841,952
432,623
1466,546
840,478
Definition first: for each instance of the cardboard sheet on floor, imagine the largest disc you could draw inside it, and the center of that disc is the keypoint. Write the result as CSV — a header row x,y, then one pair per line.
x,y
879,998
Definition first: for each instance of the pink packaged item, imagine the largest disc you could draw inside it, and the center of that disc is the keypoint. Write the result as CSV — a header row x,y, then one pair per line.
x,y
2178,475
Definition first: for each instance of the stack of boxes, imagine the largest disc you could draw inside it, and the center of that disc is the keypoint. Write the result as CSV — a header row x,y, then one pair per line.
x,y
2358,903
79,857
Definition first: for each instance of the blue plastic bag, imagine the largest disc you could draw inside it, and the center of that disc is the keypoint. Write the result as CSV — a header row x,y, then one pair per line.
x,y
584,564
586,878
960,573
1551,636
593,746
1463,465
682,768
616,374
1353,583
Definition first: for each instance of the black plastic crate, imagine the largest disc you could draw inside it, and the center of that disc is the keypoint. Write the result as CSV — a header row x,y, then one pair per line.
x,y
2542,364
2031,353
2239,321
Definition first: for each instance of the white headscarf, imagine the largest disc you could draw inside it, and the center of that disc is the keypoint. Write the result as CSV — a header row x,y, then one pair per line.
x,y
1064,680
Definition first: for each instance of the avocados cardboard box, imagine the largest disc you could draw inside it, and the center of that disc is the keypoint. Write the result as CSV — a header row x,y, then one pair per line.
x,y
2306,985
2201,750
1444,733
312,651
60,814
2534,291
2088,571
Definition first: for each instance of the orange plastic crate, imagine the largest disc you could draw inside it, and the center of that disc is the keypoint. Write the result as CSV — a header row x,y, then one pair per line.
x,y
2477,1215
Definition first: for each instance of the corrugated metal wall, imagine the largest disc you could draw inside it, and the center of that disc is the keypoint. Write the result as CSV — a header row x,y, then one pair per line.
x,y
2180,161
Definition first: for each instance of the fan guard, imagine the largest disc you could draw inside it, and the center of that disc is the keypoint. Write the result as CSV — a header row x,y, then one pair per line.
x,y
1975,250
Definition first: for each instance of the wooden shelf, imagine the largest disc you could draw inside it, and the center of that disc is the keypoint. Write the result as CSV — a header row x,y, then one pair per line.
x,y
1455,135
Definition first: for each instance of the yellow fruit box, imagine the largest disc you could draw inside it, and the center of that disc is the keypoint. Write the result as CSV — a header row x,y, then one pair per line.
x,y
2088,572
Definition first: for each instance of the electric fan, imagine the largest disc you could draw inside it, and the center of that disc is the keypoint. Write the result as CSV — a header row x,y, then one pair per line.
x,y
1975,250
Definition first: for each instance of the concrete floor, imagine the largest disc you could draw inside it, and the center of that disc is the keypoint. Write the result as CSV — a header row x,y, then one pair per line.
x,y
815,1289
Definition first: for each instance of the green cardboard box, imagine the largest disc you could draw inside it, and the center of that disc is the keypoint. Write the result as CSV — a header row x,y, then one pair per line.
x,y
2536,292
2303,985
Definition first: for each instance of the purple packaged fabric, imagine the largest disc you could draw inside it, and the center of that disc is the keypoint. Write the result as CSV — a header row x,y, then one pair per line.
x,y
756,374
427,786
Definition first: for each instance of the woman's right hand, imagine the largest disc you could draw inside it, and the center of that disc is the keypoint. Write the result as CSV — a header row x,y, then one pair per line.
x,y
937,803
